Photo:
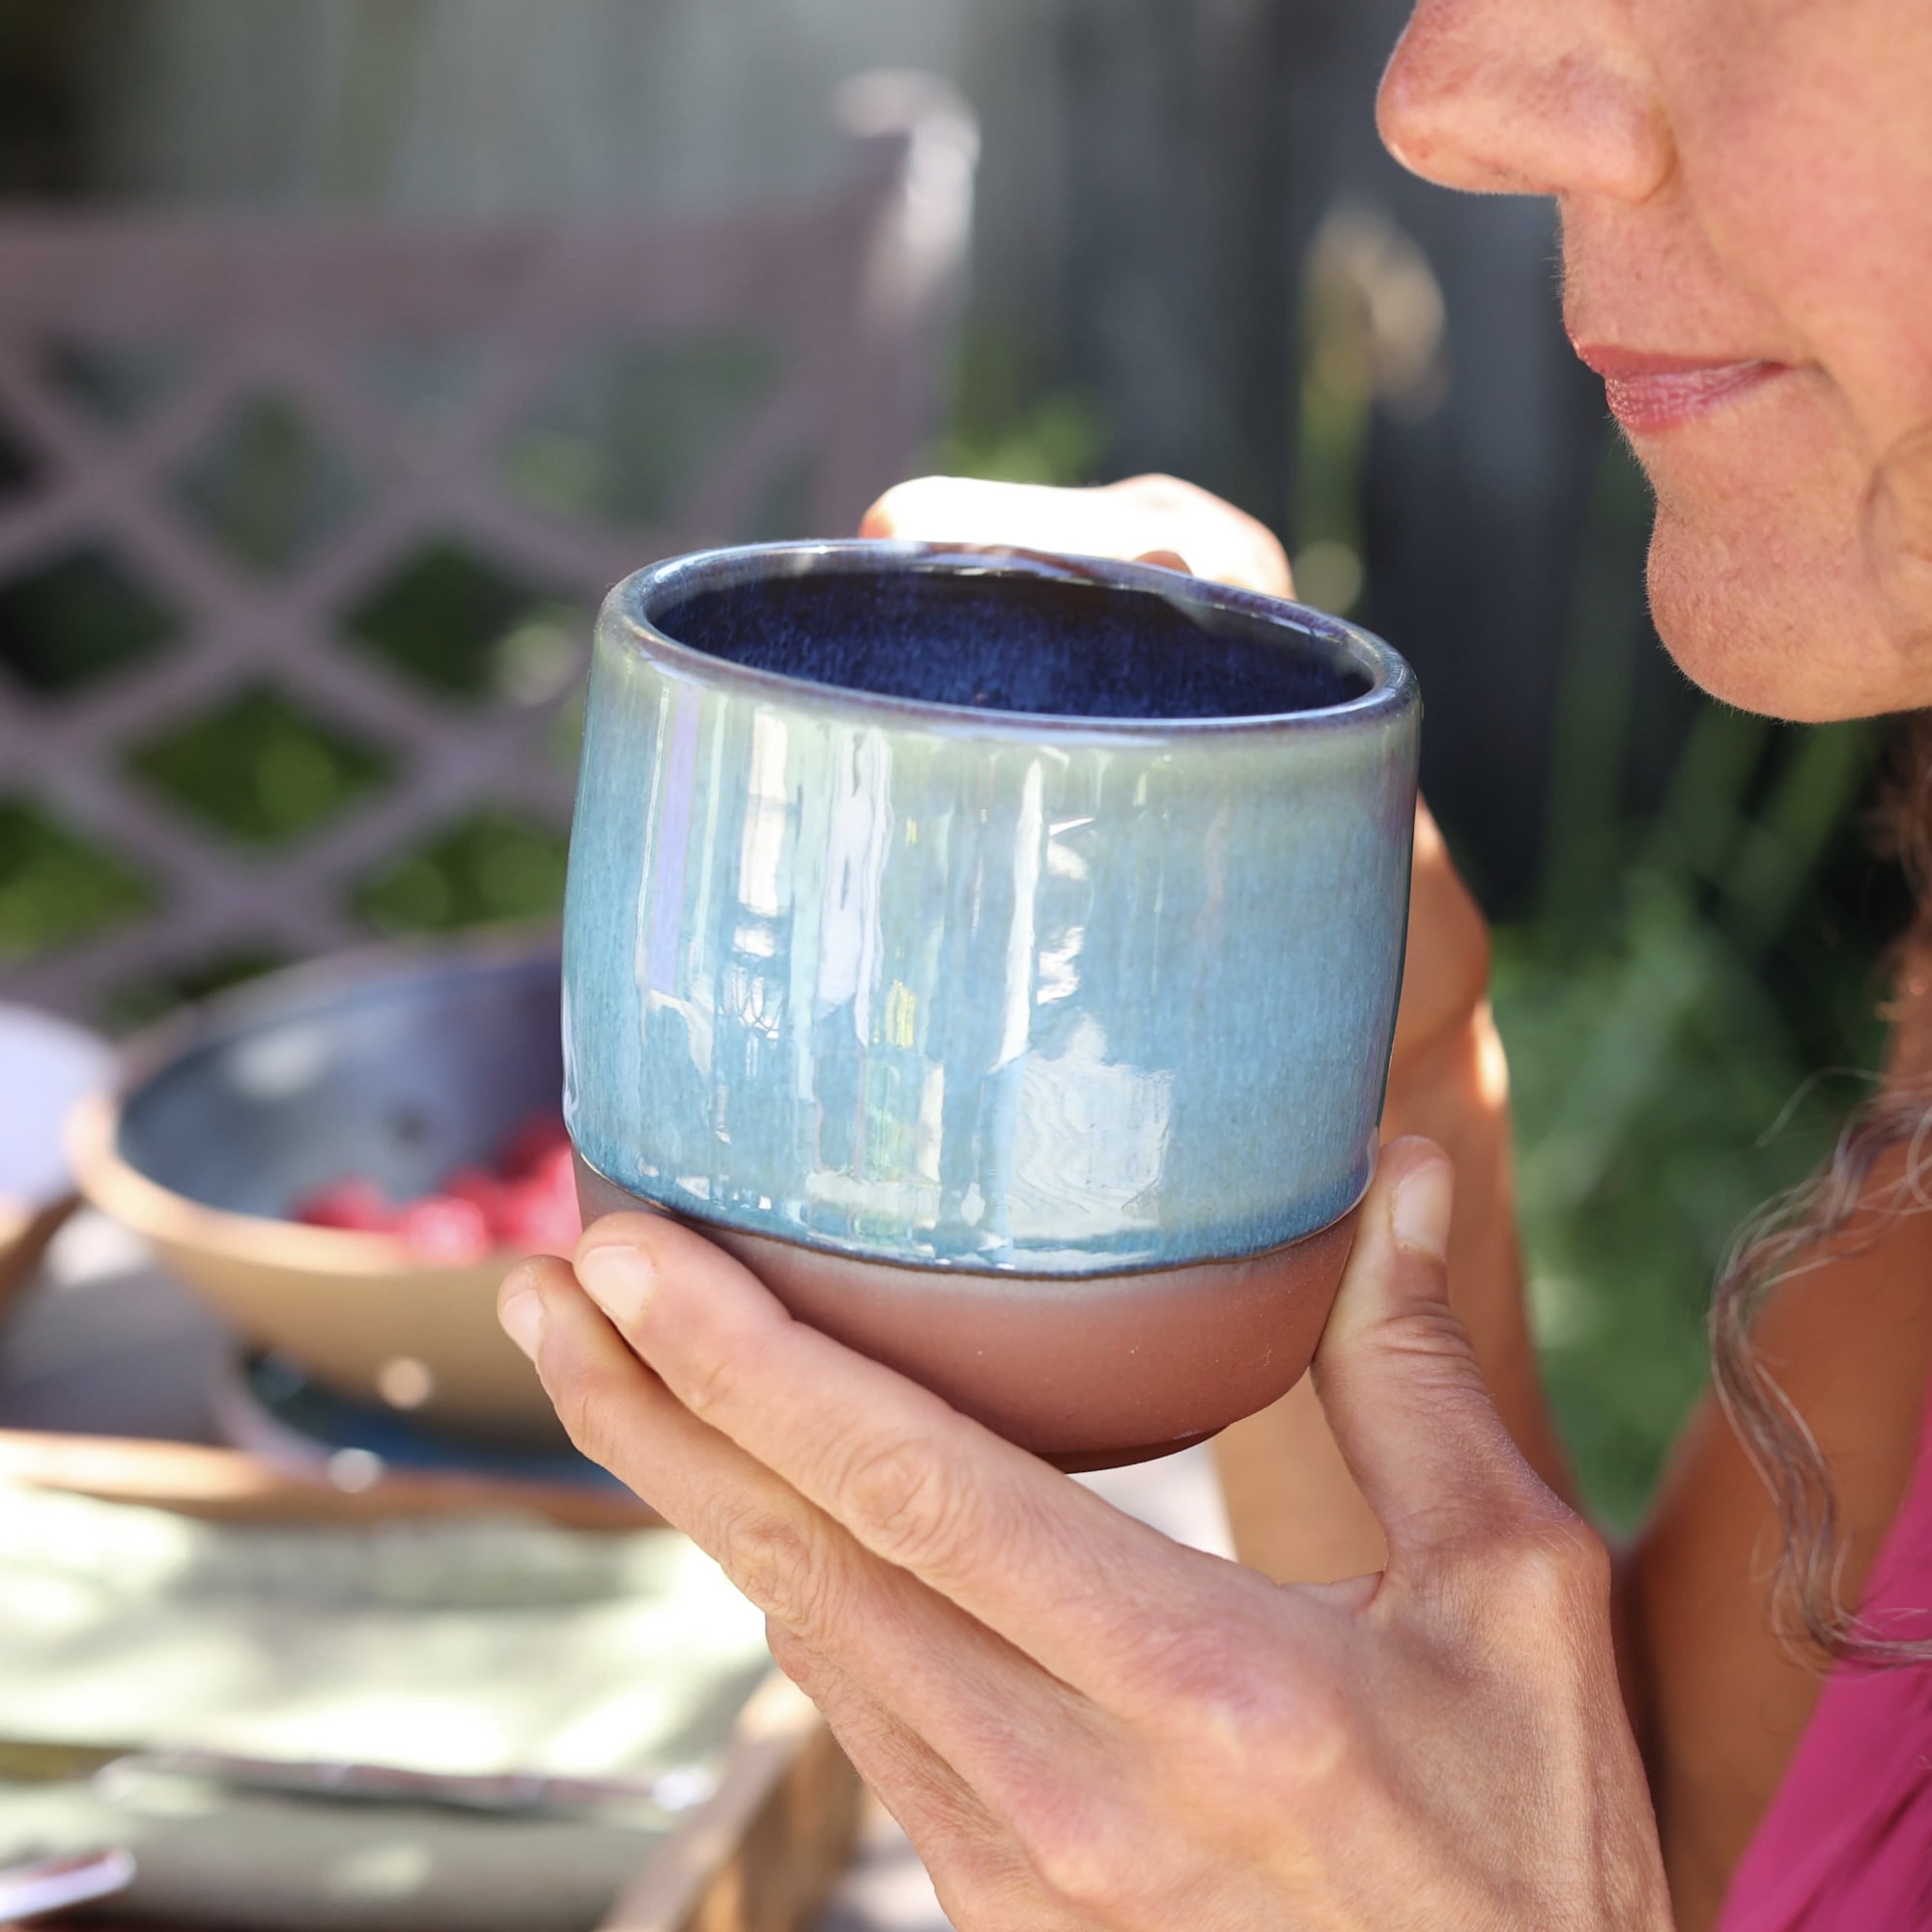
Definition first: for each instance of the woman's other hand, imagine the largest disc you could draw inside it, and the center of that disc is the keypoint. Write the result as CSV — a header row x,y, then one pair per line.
x,y
1155,519
1294,1510
1082,1725
1161,520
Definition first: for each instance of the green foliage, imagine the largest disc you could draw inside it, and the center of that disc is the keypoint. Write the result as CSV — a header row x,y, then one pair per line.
x,y
628,427
268,486
492,867
78,620
55,886
1653,1075
459,626
1007,429
258,769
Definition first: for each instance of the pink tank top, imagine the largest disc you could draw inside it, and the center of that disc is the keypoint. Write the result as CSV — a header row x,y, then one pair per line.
x,y
1847,1843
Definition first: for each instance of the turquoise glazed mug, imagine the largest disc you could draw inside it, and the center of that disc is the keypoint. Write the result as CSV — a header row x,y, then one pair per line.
x,y
998,952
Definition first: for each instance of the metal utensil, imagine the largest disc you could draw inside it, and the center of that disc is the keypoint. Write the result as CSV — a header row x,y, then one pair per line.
x,y
677,1789
50,1885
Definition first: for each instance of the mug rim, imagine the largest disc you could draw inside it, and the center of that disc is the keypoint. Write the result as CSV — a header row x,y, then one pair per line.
x,y
634,601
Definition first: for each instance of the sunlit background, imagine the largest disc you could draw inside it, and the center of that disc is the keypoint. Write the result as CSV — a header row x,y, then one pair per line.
x,y
1187,255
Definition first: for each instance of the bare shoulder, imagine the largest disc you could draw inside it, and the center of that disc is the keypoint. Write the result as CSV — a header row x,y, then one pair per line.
x,y
1722,1701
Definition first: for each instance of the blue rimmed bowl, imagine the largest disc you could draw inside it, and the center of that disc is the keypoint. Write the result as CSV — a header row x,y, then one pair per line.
x,y
1000,951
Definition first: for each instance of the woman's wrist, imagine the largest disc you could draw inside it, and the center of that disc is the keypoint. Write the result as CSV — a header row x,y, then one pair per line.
x,y
1452,1083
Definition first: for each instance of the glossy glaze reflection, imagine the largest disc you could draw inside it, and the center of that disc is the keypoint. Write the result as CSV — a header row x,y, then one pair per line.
x,y
983,988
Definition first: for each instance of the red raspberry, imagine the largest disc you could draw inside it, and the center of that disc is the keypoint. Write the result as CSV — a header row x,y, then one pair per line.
x,y
541,1224
490,1196
536,1141
442,1229
353,1201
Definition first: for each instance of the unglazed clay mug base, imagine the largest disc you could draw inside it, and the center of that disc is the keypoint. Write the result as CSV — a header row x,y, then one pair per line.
x,y
1091,1373
999,953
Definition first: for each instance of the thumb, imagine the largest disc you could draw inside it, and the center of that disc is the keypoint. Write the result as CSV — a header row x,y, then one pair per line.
x,y
1397,1378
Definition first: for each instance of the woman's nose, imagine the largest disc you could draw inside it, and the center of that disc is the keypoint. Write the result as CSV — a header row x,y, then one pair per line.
x,y
1525,97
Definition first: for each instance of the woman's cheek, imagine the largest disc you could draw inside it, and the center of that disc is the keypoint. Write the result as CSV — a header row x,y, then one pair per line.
x,y
1760,585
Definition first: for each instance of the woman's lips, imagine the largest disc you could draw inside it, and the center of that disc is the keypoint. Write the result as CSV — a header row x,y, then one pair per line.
x,y
1649,393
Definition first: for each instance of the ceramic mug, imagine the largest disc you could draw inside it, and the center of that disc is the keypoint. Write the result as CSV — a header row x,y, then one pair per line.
x,y
1000,954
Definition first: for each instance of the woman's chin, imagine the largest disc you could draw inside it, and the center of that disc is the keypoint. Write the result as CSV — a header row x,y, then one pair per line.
x,y
1775,624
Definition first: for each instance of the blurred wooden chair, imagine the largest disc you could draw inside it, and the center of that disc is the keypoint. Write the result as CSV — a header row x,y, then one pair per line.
x,y
302,522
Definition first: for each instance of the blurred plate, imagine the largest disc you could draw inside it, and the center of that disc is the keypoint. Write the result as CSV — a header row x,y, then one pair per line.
x,y
400,1063
265,1405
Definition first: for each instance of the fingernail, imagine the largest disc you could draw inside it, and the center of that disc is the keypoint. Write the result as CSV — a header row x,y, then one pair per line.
x,y
521,1318
1419,1217
620,1280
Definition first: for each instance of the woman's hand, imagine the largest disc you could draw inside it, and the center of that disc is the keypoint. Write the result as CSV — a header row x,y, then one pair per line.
x,y
1082,1725
1295,1511
1160,519
1151,519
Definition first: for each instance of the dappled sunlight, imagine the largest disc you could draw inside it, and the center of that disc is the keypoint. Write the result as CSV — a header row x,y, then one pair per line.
x,y
464,1647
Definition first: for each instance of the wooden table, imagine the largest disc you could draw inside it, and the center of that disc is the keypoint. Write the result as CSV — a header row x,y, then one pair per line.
x,y
106,1373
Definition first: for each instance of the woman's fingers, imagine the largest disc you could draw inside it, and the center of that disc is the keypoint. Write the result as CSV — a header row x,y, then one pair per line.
x,y
1140,517
1068,1579
1399,1381
1003,1723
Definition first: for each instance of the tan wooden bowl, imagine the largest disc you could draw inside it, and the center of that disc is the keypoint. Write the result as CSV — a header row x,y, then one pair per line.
x,y
358,1311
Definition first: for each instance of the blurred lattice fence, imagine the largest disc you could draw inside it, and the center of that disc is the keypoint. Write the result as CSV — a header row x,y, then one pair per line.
x,y
301,525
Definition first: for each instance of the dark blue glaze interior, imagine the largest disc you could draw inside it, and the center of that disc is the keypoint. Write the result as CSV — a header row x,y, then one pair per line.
x,y
1008,641
401,1074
